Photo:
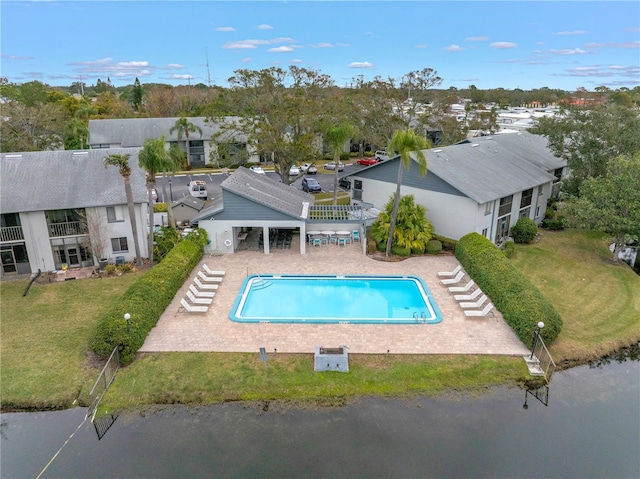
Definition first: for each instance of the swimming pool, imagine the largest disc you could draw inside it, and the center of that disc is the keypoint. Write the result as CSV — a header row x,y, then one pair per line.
x,y
335,299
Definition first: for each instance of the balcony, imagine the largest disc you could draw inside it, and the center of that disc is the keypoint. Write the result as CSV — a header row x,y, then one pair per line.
x,y
71,228
11,233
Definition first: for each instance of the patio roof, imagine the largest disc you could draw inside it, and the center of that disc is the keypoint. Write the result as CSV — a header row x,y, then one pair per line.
x,y
350,213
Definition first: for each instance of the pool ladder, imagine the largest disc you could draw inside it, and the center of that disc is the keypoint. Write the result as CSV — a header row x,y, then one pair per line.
x,y
261,283
422,318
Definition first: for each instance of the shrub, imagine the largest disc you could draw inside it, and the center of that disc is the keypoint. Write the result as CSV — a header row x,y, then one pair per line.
x,y
519,301
110,269
448,244
554,224
509,249
434,246
164,241
524,231
160,208
382,246
344,157
146,300
400,250
417,250
371,245
549,212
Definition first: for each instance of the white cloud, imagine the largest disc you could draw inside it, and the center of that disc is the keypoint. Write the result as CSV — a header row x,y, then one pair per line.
x,y
174,66
264,26
296,60
281,49
635,44
453,48
185,76
360,65
503,45
569,51
225,29
321,45
572,32
253,43
477,39
15,57
246,60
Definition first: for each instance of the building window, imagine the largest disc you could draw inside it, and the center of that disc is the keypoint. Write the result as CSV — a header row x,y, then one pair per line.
x,y
488,207
537,212
119,245
357,190
526,198
524,213
114,214
558,173
505,205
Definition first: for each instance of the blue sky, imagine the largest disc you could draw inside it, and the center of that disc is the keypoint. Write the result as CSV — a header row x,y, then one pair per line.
x,y
509,44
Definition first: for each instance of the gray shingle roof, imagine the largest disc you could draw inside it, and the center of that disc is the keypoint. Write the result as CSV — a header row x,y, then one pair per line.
x,y
492,167
191,201
267,191
130,132
49,180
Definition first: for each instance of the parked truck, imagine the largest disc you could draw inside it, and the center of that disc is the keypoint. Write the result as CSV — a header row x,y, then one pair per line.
x,y
198,189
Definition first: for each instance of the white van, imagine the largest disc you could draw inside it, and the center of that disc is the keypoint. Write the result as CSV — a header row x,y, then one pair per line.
x,y
198,189
382,155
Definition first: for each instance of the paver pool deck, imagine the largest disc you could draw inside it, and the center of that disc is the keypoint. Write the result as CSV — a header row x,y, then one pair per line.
x,y
213,331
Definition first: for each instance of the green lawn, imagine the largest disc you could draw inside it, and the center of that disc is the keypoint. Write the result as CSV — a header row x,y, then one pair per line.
x,y
43,339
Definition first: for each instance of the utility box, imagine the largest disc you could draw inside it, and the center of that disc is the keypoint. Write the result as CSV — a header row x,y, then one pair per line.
x,y
331,359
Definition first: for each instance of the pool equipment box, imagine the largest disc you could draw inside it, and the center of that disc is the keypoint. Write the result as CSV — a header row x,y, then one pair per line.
x,y
331,359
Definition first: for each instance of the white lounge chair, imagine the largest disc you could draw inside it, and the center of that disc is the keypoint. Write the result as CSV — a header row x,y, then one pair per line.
x,y
211,272
201,294
209,279
195,300
468,297
462,289
455,280
193,309
451,273
484,312
477,304
208,287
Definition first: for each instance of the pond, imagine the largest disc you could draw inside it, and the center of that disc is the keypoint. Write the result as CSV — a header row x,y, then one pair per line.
x,y
590,428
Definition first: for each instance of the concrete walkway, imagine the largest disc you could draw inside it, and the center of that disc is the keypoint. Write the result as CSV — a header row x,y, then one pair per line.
x,y
178,330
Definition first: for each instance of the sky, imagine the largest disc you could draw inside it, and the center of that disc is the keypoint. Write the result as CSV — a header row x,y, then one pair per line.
x,y
508,44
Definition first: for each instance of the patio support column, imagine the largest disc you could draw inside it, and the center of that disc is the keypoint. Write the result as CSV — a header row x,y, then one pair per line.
x,y
303,238
265,236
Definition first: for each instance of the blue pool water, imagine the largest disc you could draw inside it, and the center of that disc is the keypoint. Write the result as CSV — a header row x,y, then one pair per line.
x,y
335,299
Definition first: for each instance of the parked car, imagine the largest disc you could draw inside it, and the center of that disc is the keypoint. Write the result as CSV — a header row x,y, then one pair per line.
x,y
198,189
345,183
311,185
367,161
382,155
332,166
294,170
257,169
309,169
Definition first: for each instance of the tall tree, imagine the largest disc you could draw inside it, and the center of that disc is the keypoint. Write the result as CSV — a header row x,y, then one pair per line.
x,y
75,133
122,163
336,137
404,143
184,127
153,158
136,95
610,203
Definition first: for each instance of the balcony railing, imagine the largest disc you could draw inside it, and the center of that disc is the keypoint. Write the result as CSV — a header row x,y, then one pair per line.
x,y
11,233
71,228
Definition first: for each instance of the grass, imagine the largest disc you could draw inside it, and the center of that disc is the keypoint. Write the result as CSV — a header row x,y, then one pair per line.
x,y
597,300
45,365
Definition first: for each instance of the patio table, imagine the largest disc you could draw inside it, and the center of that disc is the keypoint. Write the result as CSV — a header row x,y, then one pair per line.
x,y
311,233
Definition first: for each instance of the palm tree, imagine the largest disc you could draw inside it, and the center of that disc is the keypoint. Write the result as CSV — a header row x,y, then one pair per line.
x,y
183,126
403,143
122,162
153,158
336,136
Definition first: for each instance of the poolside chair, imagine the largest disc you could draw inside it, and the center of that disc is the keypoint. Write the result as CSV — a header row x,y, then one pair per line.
x,y
209,279
477,304
201,294
193,309
451,273
455,280
482,313
317,242
210,272
342,241
355,234
195,300
200,285
462,289
468,297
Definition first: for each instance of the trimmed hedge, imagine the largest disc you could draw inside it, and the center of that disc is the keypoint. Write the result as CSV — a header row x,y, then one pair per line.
x,y
434,246
448,244
519,301
146,300
400,250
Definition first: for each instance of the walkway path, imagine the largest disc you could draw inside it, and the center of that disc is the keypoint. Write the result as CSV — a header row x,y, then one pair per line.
x,y
178,330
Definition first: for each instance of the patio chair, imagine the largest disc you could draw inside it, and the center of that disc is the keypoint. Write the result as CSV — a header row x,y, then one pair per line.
x,y
316,242
193,309
482,313
451,273
468,297
211,272
356,236
455,280
462,289
209,279
477,304
195,300
208,287
342,241
201,294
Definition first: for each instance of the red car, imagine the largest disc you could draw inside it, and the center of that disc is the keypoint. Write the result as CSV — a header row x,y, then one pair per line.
x,y
367,161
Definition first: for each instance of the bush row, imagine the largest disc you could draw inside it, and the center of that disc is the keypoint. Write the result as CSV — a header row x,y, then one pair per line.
x,y
519,301
146,300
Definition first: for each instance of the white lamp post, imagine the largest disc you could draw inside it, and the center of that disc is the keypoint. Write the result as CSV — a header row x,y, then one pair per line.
x,y
536,338
127,317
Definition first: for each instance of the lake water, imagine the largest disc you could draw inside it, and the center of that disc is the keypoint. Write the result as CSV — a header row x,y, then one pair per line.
x,y
590,429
